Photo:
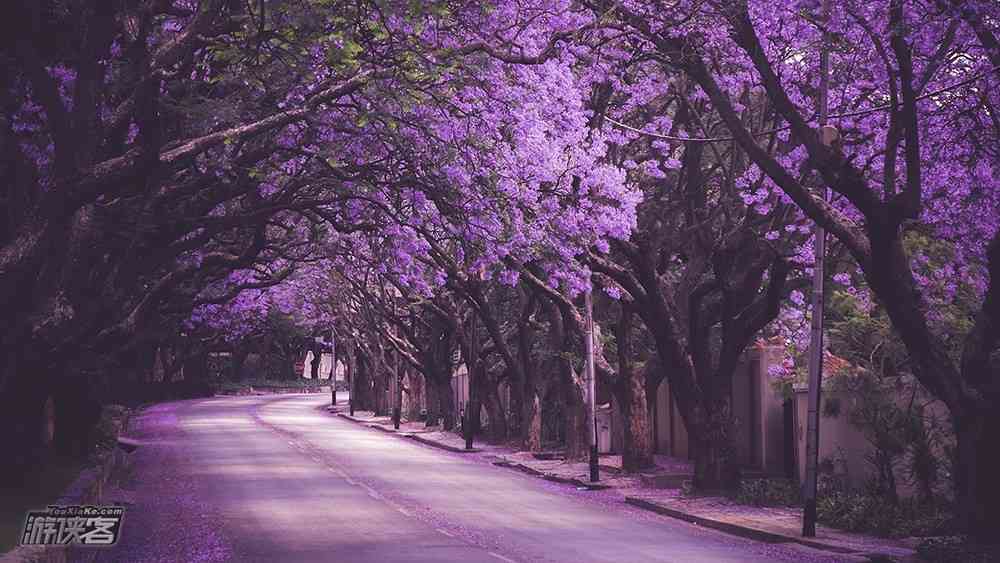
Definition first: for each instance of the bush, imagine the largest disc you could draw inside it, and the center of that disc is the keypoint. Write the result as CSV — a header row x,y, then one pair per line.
x,y
768,492
224,386
860,512
957,549
107,429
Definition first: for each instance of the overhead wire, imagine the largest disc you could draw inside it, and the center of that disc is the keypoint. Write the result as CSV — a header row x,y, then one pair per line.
x,y
856,113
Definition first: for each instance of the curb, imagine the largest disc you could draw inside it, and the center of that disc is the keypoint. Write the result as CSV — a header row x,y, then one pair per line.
x,y
736,529
519,467
547,476
573,481
383,428
351,418
550,477
434,444
250,391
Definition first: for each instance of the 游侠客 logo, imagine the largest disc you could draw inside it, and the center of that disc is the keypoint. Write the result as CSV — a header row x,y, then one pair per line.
x,y
79,525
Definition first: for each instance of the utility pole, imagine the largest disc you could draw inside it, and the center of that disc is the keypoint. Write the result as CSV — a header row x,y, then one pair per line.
x,y
472,404
397,410
591,385
352,366
827,135
397,391
333,368
467,423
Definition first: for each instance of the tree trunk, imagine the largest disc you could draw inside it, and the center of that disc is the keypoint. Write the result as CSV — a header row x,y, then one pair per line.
x,y
370,384
376,397
637,451
362,383
414,394
351,373
515,424
710,429
431,395
498,430
446,402
333,373
379,376
630,391
525,402
317,352
288,363
381,392
397,397
715,464
76,414
196,367
531,423
477,389
239,360
473,408
576,419
146,362
575,416
977,488
24,387
477,385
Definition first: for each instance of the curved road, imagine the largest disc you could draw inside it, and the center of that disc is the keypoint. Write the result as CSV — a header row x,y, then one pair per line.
x,y
277,478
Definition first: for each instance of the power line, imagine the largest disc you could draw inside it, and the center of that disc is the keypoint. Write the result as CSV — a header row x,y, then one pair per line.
x,y
786,127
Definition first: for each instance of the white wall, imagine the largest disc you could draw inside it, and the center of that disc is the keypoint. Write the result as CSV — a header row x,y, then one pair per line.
x,y
324,367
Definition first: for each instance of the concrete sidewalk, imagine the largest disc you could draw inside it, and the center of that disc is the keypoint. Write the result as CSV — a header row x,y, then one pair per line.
x,y
769,524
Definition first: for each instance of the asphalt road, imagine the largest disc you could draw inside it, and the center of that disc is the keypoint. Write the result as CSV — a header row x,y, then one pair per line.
x,y
276,478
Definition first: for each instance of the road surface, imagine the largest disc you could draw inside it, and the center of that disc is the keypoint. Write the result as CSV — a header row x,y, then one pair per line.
x,y
277,478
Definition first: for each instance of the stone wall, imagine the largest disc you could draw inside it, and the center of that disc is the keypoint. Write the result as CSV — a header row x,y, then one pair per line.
x,y
324,367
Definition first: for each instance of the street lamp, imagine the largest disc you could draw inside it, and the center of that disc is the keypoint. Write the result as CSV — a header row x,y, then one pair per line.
x,y
828,135
350,379
333,368
397,391
591,385
469,423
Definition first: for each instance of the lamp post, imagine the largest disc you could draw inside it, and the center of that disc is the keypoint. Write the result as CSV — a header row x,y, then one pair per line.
x,y
591,385
470,424
397,391
828,135
333,368
350,375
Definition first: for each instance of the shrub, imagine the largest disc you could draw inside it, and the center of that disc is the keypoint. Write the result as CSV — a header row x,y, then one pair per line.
x,y
107,429
956,549
853,511
768,492
224,386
